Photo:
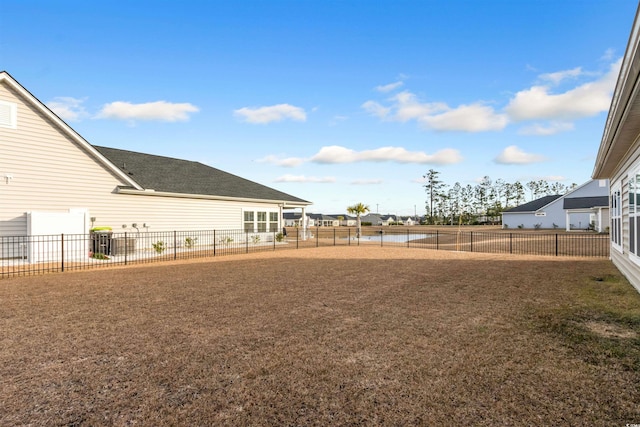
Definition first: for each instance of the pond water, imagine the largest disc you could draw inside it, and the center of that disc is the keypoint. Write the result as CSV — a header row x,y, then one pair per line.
x,y
394,238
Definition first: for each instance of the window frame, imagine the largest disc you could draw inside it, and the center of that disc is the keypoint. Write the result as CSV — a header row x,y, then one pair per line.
x,y
615,207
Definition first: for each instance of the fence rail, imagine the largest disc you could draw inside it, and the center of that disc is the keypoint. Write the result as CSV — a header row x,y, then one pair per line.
x,y
29,255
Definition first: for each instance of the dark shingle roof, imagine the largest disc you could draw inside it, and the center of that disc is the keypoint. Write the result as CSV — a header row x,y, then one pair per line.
x,y
171,175
534,205
586,202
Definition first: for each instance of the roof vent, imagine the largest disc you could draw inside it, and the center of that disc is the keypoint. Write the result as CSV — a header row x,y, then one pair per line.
x,y
8,114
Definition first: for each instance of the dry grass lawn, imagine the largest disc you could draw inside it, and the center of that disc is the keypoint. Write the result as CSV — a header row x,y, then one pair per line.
x,y
329,336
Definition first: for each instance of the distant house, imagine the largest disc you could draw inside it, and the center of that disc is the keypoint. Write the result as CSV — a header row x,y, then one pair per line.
x,y
53,181
371,218
409,220
321,220
583,208
345,219
619,161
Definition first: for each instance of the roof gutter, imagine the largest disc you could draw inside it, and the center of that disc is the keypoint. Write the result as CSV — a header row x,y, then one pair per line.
x,y
626,89
284,203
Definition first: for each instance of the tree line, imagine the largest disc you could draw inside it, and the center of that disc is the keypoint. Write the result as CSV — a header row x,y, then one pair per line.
x,y
483,202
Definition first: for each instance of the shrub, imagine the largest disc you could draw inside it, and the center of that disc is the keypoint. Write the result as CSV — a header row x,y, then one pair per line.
x,y
190,242
279,237
159,246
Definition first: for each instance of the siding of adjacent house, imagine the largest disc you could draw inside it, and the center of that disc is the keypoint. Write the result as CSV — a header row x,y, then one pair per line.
x,y
52,172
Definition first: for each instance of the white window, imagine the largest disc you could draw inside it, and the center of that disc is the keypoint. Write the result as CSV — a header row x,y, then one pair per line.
x,y
634,215
616,218
248,221
8,115
273,221
262,221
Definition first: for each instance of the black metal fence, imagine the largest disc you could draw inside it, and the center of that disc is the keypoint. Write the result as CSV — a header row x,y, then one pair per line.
x,y
28,255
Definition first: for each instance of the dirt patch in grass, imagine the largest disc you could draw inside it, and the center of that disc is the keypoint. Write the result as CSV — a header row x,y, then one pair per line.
x,y
328,336
609,330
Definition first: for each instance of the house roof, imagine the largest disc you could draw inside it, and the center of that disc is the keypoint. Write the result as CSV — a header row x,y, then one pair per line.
x,y
166,174
585,202
534,205
622,126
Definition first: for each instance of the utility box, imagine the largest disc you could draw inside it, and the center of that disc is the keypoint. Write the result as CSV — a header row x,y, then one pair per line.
x,y
123,245
101,240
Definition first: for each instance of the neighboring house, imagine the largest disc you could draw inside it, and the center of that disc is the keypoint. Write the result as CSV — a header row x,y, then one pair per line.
x,y
321,220
410,220
619,160
292,219
371,218
585,207
345,220
53,181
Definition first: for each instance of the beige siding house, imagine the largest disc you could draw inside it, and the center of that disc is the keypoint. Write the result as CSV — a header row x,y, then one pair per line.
x,y
47,167
619,160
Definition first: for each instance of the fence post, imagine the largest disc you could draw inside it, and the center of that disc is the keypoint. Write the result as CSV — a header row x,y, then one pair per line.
x,y
510,243
556,244
334,236
125,248
407,237
214,242
246,240
274,240
349,236
471,241
317,236
437,240
175,245
297,237
62,250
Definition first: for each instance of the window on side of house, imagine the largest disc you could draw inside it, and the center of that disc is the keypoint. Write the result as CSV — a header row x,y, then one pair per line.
x,y
262,221
273,221
616,218
634,215
248,221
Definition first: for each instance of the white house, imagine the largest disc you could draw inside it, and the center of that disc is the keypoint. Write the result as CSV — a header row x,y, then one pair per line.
x,y
53,181
585,207
619,160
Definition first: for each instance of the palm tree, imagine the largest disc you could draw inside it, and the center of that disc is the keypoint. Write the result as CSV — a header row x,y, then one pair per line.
x,y
358,209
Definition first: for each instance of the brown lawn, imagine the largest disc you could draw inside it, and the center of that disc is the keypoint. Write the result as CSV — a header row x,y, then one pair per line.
x,y
329,336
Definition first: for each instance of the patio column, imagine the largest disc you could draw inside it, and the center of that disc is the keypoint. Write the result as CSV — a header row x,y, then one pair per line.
x,y
568,221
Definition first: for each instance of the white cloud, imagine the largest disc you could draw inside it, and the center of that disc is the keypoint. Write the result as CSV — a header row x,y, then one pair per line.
x,y
337,154
367,182
553,178
551,129
437,115
389,87
512,155
376,109
159,110
559,76
302,178
288,162
585,100
68,108
273,113
408,107
608,55
467,118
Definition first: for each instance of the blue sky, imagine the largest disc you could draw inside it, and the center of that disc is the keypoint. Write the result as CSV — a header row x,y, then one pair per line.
x,y
336,102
